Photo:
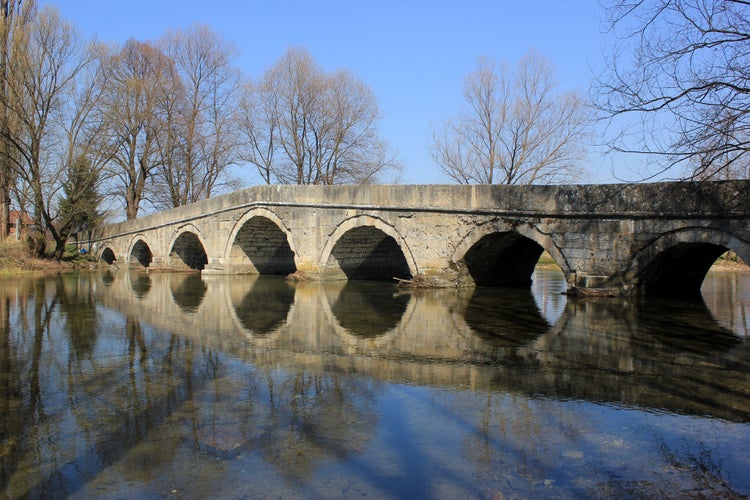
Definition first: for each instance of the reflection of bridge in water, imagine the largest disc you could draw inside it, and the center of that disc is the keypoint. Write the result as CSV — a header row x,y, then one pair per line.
x,y
633,353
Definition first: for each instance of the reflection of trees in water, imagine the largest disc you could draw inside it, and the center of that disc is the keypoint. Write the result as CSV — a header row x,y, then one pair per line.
x,y
14,403
188,291
369,309
116,406
78,304
266,305
507,317
294,419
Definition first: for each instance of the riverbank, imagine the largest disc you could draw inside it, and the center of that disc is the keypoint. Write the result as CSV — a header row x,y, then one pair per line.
x,y
14,259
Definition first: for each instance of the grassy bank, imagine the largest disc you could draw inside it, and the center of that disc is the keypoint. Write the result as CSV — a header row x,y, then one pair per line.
x,y
14,259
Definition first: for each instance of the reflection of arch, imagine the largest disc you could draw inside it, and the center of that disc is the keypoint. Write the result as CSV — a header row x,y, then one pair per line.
x,y
676,263
107,278
508,318
365,247
261,305
368,310
503,254
140,283
140,250
188,291
107,255
260,244
187,250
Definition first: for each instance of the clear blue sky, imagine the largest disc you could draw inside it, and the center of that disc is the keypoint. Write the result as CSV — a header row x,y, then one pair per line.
x,y
413,54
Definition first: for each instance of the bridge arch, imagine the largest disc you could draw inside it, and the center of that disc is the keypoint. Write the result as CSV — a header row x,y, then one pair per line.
x,y
366,247
503,253
107,254
260,243
139,252
187,249
676,263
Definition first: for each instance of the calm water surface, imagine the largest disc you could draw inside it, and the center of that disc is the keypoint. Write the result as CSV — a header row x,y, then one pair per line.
x,y
161,386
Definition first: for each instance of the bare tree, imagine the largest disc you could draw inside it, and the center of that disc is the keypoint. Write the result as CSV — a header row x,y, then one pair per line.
x,y
201,115
313,127
13,21
48,66
257,126
141,78
516,129
681,70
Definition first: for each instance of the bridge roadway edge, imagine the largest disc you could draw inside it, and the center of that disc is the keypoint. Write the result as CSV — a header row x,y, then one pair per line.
x,y
602,236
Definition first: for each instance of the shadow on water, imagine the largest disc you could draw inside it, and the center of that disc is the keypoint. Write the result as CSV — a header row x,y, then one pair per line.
x,y
367,309
262,304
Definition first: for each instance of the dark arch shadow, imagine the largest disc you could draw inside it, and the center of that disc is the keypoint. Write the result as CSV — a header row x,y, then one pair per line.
x,y
503,259
266,246
367,253
679,271
368,309
188,291
188,248
265,306
108,256
142,254
506,317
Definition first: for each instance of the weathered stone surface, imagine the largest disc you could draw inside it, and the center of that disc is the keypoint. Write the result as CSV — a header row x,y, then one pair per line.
x,y
621,237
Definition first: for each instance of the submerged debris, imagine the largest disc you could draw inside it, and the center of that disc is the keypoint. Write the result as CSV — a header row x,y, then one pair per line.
x,y
421,281
590,292
299,276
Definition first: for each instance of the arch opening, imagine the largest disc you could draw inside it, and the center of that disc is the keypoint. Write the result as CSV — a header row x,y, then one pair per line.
x,y
367,253
261,247
188,253
679,271
141,253
504,259
108,256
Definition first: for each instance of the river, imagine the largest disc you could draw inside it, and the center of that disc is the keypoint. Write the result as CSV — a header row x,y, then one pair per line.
x,y
117,384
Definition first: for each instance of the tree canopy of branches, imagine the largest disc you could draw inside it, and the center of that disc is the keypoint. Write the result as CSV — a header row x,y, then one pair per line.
x,y
305,126
13,21
515,130
682,69
141,77
39,103
200,140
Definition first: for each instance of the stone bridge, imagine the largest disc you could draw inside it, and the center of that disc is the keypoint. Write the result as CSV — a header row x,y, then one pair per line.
x,y
623,238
